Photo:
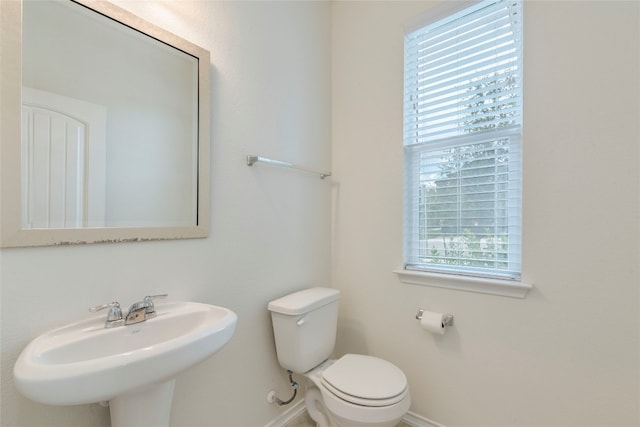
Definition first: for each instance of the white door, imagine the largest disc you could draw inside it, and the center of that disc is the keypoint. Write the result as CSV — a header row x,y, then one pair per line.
x,y
63,161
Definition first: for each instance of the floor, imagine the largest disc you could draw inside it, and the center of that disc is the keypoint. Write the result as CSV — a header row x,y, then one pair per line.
x,y
304,420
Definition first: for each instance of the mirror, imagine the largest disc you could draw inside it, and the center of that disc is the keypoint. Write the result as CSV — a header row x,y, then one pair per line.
x,y
105,127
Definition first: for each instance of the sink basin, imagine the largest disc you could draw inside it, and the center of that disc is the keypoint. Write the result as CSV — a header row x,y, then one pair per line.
x,y
85,363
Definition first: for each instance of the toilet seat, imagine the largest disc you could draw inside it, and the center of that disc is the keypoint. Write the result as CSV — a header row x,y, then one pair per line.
x,y
365,380
349,410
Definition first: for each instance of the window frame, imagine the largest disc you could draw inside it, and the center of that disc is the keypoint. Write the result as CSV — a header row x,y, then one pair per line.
x,y
453,277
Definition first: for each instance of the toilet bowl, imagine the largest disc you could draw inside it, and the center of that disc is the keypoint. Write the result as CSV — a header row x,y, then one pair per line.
x,y
353,391
356,391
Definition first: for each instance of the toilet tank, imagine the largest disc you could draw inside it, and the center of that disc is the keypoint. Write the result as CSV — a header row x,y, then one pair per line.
x,y
304,327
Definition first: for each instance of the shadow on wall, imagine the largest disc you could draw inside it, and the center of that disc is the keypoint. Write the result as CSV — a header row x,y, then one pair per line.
x,y
350,337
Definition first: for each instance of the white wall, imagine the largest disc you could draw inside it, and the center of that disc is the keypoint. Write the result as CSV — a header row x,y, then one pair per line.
x,y
568,353
270,227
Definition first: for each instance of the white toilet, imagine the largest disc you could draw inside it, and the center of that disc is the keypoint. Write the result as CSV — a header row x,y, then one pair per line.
x,y
353,391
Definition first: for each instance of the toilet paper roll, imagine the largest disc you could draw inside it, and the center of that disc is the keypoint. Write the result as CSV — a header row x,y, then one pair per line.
x,y
433,322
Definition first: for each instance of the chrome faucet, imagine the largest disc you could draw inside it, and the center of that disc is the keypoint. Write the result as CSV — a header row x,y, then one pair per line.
x,y
138,312
142,310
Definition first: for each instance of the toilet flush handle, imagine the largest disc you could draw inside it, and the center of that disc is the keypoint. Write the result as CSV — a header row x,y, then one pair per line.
x,y
301,321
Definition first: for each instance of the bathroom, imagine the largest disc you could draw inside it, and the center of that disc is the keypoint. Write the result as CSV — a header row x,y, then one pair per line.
x,y
320,84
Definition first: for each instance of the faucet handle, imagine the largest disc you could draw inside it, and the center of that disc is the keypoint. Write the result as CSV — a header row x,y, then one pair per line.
x,y
114,315
151,310
151,297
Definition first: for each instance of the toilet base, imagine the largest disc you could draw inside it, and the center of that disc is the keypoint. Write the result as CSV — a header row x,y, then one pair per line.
x,y
334,412
319,413
315,408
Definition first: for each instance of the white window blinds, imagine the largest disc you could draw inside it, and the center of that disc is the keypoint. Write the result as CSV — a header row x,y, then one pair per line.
x,y
462,138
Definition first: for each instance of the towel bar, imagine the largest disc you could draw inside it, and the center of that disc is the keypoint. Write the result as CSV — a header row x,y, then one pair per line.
x,y
254,159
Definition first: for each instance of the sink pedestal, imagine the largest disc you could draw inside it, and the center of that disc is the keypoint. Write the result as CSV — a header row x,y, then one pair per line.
x,y
149,407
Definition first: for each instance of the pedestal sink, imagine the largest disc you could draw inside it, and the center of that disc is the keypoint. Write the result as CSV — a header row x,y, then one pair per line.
x,y
132,367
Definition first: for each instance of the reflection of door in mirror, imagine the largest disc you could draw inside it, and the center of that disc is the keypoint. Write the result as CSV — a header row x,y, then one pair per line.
x,y
64,159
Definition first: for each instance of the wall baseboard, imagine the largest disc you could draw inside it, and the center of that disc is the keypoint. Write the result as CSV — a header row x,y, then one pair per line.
x,y
288,415
411,419
414,420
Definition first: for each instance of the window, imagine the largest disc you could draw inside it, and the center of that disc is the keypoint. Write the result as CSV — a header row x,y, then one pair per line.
x,y
462,143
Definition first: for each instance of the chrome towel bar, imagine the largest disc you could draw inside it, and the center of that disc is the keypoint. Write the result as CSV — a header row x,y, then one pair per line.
x,y
255,159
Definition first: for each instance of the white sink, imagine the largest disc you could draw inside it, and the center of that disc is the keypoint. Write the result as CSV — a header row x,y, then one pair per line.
x,y
85,363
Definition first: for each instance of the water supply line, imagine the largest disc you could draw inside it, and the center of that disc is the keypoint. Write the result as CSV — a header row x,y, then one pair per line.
x,y
271,397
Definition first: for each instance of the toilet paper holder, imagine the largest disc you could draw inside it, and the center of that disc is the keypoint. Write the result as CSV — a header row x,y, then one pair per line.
x,y
447,319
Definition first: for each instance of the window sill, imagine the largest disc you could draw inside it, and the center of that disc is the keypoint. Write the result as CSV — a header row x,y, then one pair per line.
x,y
506,288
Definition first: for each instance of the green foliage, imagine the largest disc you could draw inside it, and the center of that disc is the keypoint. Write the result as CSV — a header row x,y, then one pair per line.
x,y
463,206
487,107
469,250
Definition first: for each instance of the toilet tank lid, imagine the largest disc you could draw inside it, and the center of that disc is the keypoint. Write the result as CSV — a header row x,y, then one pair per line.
x,y
304,301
